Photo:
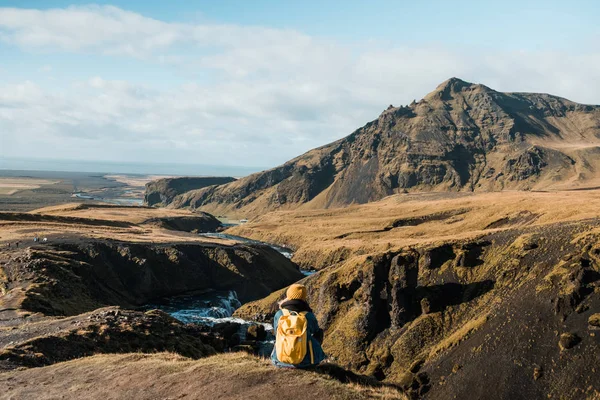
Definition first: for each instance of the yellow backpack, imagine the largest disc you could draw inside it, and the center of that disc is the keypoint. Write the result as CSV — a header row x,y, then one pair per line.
x,y
292,339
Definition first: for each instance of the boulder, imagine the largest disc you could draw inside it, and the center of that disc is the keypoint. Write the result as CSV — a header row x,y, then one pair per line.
x,y
568,341
256,332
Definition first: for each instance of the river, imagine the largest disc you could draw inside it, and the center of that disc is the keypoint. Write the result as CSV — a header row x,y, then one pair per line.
x,y
283,250
120,201
215,307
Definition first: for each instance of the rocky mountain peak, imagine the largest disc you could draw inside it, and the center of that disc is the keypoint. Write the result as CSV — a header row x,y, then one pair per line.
x,y
460,137
455,84
450,88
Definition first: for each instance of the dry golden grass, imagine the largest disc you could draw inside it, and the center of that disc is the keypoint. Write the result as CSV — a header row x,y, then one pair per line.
x,y
164,375
324,237
10,186
133,214
137,231
458,336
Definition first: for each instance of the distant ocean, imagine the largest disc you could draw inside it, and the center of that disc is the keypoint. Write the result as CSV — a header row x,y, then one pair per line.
x,y
106,167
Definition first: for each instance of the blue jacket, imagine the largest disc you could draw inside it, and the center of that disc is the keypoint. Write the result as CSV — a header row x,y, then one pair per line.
x,y
313,328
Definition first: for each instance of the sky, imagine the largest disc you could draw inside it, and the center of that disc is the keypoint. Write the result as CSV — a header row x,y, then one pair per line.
x,y
256,83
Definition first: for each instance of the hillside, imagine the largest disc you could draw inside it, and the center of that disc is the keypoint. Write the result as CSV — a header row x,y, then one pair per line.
x,y
161,192
456,295
446,295
99,255
168,376
72,306
461,137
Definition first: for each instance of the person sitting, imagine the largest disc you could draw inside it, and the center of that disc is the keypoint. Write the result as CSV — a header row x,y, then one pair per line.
x,y
298,336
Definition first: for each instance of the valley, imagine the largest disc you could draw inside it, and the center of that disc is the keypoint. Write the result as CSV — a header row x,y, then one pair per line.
x,y
25,190
99,281
450,249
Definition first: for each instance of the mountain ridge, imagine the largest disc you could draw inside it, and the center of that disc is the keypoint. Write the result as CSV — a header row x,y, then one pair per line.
x,y
459,137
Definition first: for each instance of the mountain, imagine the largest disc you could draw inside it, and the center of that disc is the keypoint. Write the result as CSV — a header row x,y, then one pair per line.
x,y
460,137
163,191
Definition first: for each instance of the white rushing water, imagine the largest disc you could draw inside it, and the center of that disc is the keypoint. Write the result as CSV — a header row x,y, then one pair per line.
x,y
216,307
206,309
213,308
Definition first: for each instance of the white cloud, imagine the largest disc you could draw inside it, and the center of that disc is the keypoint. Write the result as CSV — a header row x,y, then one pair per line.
x,y
104,28
111,30
272,94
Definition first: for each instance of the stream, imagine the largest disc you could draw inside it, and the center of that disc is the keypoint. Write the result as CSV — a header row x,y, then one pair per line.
x,y
283,250
217,307
120,201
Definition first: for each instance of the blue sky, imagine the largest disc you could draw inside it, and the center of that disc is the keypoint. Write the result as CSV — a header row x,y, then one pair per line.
x,y
509,24
255,83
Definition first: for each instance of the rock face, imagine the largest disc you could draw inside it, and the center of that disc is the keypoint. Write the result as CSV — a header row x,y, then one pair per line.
x,y
162,191
71,278
200,222
460,137
459,319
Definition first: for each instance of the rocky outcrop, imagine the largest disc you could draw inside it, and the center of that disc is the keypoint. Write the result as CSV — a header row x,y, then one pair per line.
x,y
461,318
107,330
162,191
460,137
200,222
71,278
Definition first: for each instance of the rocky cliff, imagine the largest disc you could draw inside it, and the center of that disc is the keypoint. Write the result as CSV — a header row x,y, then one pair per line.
x,y
162,191
510,314
198,222
71,278
460,137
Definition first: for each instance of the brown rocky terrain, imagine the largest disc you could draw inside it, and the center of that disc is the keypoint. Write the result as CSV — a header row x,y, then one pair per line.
x,y
321,238
129,223
492,295
100,256
464,263
448,295
106,330
161,192
83,292
462,137
70,278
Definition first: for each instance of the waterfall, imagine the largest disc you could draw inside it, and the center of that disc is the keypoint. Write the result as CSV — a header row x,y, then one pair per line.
x,y
206,309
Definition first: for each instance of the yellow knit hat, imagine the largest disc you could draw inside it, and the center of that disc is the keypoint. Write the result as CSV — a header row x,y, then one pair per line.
x,y
296,292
